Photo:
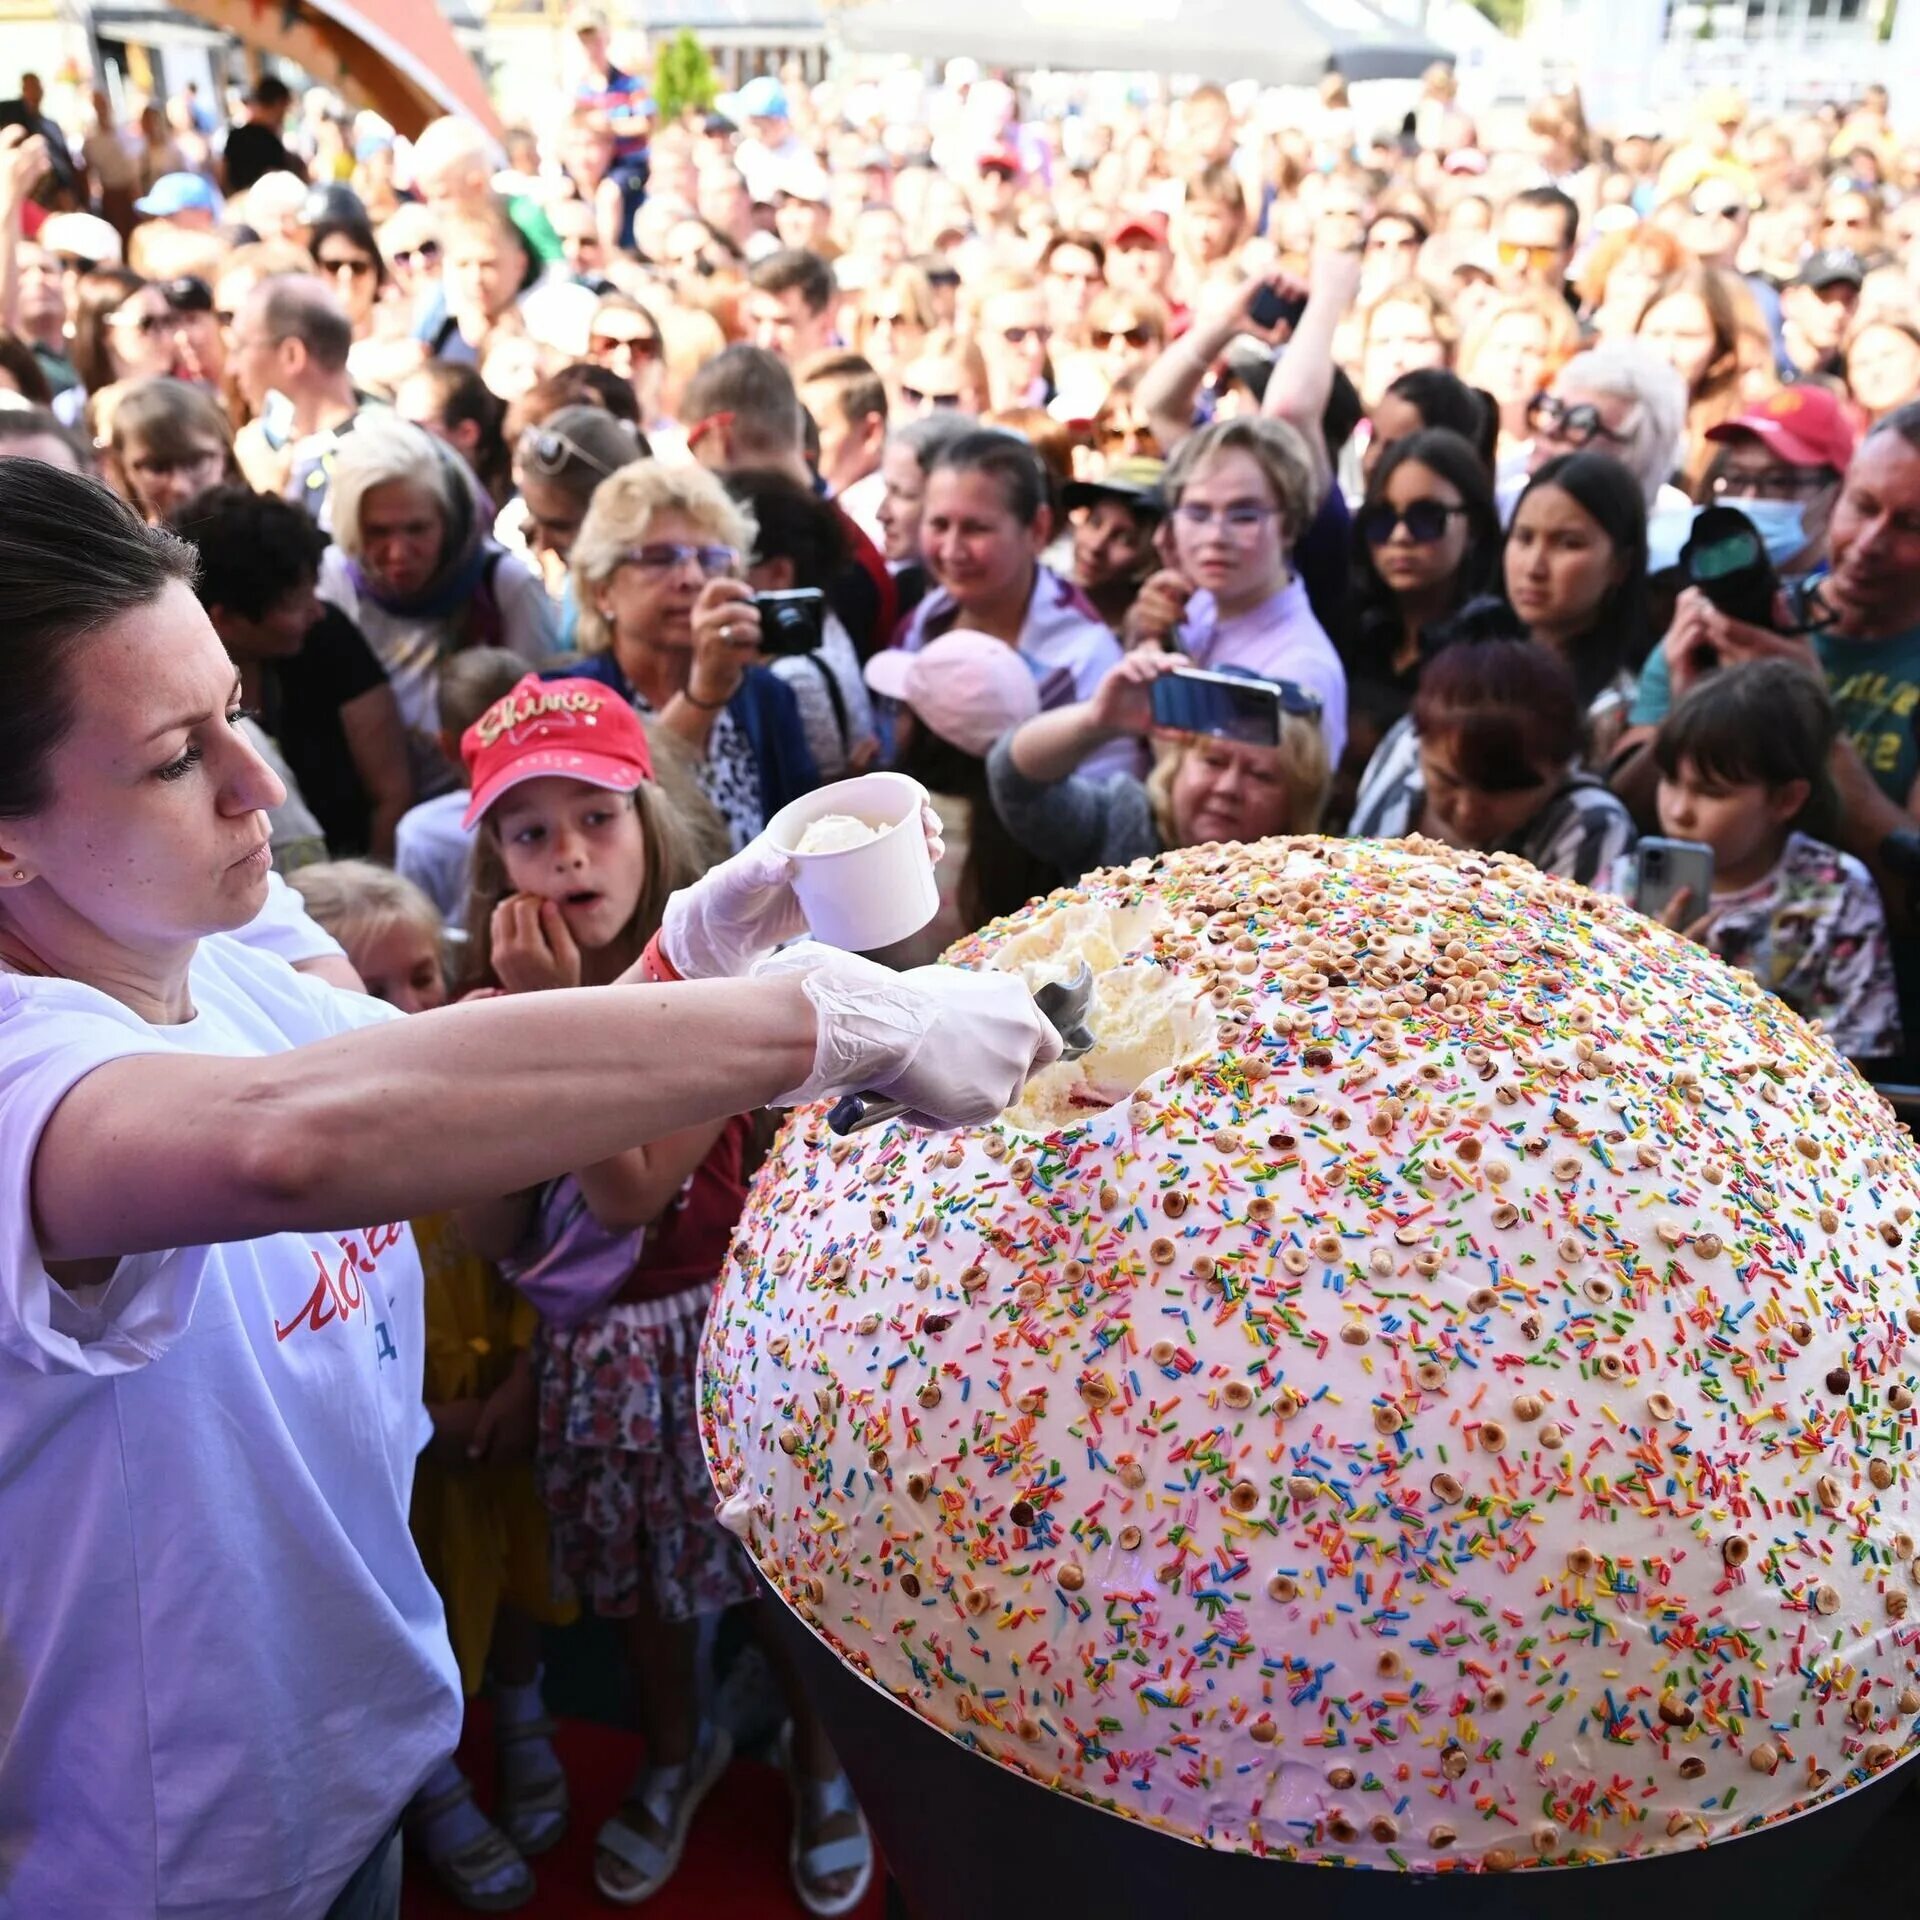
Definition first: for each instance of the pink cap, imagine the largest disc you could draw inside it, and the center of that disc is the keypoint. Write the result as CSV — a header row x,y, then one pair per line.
x,y
967,686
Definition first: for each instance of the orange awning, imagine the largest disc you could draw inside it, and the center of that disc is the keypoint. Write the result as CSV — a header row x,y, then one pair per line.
x,y
404,63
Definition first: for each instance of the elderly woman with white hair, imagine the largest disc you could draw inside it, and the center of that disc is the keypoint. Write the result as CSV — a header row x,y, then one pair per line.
x,y
414,566
1619,397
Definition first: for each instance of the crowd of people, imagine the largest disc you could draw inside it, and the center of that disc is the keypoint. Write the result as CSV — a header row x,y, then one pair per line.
x,y
467,449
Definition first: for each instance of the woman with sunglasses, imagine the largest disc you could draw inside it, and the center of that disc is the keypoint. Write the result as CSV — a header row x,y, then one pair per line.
x,y
557,464
626,339
1426,541
348,259
948,375
1495,737
1239,495
415,568
667,620
410,245
891,324
127,328
1016,338
1126,332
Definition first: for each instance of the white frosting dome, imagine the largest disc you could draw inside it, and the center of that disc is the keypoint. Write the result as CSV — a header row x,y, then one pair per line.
x,y
1460,1408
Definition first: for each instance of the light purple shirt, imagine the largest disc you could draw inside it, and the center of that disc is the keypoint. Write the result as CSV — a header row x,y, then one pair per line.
x,y
1279,640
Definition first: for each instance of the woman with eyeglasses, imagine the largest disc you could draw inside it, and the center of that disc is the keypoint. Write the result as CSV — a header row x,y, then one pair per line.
x,y
667,620
626,339
1512,352
169,441
415,568
987,523
1493,759
891,325
1693,324
1239,494
1043,777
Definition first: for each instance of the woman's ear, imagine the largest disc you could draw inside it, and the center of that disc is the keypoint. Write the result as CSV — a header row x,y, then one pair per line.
x,y
1784,802
1041,532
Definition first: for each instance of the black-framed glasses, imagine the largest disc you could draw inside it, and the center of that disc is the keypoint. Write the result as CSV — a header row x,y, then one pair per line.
x,y
1579,426
1733,484
547,452
662,556
1425,521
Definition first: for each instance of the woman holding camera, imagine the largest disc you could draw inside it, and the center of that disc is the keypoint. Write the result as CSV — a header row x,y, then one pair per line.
x,y
1209,788
667,619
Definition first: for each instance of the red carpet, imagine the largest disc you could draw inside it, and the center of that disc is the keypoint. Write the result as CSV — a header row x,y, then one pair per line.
x,y
734,1868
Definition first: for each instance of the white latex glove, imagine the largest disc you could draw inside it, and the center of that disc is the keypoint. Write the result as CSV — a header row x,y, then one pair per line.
x,y
735,912
957,1047
743,908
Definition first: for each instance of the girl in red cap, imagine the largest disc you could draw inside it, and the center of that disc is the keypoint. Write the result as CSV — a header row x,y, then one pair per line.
x,y
579,849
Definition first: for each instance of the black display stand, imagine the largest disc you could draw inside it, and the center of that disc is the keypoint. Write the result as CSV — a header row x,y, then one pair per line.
x,y
968,1840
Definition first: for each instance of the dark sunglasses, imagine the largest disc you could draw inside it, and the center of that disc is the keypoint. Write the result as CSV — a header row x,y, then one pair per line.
x,y
915,398
1424,520
642,346
424,255
1578,426
1109,338
1019,336
354,263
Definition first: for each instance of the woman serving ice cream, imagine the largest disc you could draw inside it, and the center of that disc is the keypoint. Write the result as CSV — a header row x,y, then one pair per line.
x,y
210,1322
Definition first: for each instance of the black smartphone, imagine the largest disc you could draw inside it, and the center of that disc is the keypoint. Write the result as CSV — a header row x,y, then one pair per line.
x,y
1270,307
1662,867
1191,700
792,621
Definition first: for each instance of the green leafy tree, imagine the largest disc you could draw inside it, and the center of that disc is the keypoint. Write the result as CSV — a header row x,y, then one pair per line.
x,y
683,77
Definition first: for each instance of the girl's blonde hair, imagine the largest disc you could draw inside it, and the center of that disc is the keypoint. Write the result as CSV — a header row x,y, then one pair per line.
x,y
358,900
1303,765
683,833
624,505
1275,447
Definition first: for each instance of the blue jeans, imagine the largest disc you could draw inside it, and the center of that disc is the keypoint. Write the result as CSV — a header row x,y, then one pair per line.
x,y
374,1891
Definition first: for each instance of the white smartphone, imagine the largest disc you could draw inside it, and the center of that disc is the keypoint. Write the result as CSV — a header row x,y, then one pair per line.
x,y
1663,867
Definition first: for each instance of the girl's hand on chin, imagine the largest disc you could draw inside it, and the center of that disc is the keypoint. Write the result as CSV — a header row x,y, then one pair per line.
x,y
533,951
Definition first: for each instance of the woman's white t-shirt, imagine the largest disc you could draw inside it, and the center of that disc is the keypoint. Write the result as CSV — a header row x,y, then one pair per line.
x,y
223,1670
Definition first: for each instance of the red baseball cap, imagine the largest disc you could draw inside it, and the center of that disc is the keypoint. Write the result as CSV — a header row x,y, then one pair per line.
x,y
1151,227
1002,159
570,729
1805,425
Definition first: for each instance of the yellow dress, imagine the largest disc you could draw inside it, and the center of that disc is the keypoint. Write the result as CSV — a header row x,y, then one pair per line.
x,y
481,1530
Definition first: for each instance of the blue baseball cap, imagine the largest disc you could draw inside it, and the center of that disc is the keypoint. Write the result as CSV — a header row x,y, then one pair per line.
x,y
763,98
179,193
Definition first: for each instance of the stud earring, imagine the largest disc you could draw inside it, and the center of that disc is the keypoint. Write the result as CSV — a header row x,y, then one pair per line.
x,y
19,873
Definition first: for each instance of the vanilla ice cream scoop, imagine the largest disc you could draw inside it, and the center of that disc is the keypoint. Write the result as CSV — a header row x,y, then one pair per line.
x,y
835,833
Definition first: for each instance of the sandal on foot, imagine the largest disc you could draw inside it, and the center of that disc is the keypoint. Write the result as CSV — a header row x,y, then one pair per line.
x,y
531,1813
465,1871
667,1798
815,1802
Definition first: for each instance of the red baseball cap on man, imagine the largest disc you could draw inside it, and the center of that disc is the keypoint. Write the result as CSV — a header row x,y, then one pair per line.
x,y
545,729
1805,425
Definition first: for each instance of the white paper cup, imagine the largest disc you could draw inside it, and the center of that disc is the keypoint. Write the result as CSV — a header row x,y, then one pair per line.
x,y
867,896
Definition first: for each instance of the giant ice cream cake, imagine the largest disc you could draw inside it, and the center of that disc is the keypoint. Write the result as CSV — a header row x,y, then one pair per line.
x,y
1436,1387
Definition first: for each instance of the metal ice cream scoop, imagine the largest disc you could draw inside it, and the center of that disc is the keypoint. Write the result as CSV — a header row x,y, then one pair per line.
x,y
1065,1003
